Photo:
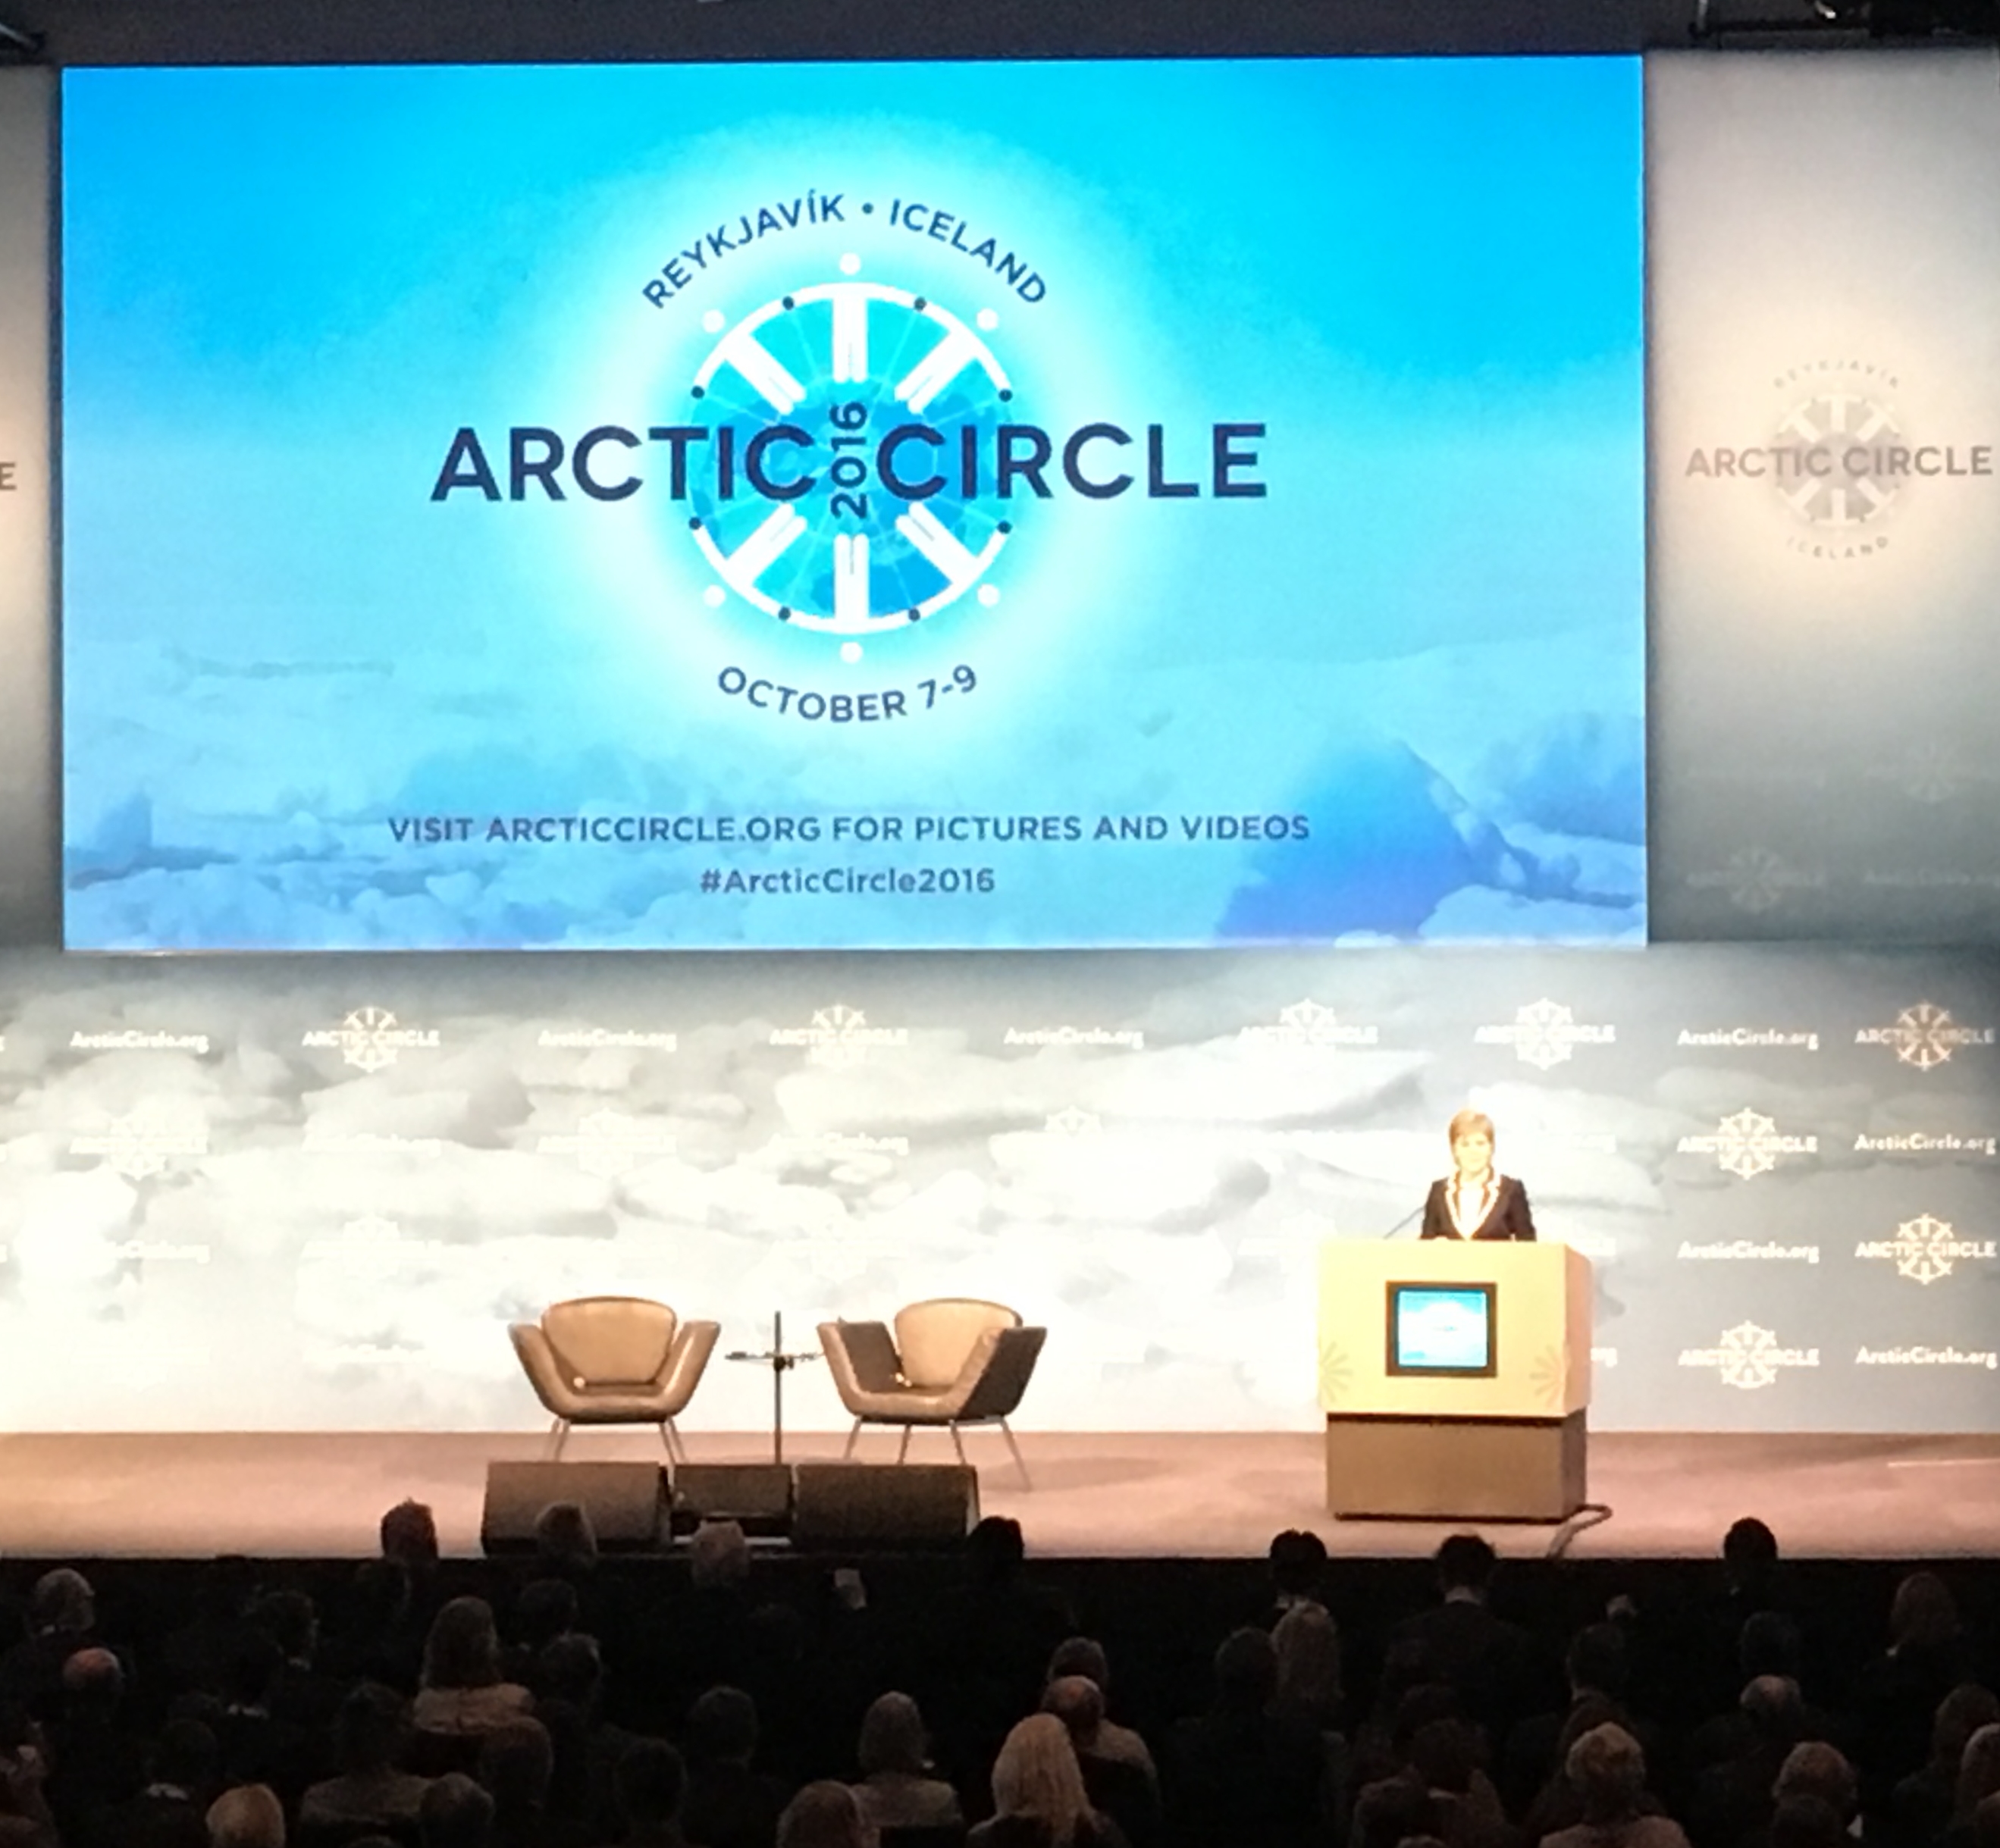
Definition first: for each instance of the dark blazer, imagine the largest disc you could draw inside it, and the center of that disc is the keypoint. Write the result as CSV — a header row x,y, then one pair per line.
x,y
1508,1217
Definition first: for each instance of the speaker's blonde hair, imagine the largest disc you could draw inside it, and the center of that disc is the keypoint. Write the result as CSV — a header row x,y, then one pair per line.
x,y
1471,1122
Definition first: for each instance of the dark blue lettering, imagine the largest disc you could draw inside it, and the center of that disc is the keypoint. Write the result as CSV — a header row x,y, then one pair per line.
x,y
1157,486
753,462
465,465
525,467
885,462
1229,458
579,463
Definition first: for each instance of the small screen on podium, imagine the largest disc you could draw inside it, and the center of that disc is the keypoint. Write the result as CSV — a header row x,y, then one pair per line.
x,y
1442,1328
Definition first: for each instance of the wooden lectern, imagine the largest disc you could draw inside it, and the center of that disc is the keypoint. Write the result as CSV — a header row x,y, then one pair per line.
x,y
1455,1377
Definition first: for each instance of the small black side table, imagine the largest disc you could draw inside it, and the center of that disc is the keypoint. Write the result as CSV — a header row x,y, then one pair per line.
x,y
780,1364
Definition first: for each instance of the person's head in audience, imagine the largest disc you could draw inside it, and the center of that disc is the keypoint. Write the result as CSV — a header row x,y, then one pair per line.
x,y
1445,1753
546,1609
1978,1770
718,1556
651,1780
463,1649
1749,1554
1595,1662
1775,1709
455,1813
515,1764
1079,1702
249,1816
1392,1810
1586,1713
184,1757
1420,1705
824,1816
1246,1671
1036,1775
248,1671
570,1670
1960,1715
1465,1563
564,1537
893,1740
409,1534
1405,1665
1081,1655
1986,1823
1814,1768
368,1729
722,1727
1923,1615
1808,1823
1768,1644
995,1550
289,1620
1298,1566
93,1683
1607,1770
1307,1644
62,1604
22,1768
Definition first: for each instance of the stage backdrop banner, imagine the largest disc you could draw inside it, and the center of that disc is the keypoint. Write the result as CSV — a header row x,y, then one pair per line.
x,y
28,885
854,506
1824,255
310,1194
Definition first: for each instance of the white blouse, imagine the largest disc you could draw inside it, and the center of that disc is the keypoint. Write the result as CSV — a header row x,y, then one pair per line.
x,y
1469,1201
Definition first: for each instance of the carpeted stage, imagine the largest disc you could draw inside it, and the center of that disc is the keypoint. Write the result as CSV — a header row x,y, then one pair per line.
x,y
1094,1495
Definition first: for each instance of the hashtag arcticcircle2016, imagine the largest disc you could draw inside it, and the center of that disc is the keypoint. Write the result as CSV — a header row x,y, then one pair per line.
x,y
726,830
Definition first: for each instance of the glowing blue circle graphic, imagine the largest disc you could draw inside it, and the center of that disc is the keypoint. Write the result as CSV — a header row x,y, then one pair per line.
x,y
848,481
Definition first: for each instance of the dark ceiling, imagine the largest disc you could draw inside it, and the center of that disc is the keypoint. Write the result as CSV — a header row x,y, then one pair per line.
x,y
84,32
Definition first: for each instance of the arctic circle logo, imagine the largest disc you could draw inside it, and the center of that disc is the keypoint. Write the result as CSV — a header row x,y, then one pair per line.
x,y
851,460
1840,459
876,432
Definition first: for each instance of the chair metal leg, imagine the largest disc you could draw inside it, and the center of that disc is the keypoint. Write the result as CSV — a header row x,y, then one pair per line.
x,y
903,1449
853,1437
958,1444
1007,1430
558,1437
670,1435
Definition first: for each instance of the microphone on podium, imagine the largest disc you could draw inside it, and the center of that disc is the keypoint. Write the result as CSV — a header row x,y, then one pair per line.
x,y
1406,1219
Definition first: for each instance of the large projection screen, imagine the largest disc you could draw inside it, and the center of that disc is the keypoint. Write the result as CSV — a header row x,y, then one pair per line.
x,y
853,507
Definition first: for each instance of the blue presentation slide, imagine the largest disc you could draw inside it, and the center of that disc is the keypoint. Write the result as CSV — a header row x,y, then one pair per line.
x,y
853,506
1443,1330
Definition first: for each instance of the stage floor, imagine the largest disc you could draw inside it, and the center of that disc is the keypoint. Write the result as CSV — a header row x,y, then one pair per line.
x,y
1107,1495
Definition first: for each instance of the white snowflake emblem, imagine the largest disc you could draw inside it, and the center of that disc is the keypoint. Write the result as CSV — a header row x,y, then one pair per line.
x,y
1922,1246
1749,1357
1747,1144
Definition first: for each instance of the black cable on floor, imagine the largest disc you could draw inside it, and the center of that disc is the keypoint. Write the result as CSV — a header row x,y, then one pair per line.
x,y
1591,1514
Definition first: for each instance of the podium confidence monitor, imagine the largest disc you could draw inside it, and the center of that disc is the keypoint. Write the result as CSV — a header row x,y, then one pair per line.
x,y
1456,1379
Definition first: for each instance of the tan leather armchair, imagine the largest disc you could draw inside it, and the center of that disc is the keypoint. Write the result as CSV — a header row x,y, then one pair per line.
x,y
952,1362
614,1360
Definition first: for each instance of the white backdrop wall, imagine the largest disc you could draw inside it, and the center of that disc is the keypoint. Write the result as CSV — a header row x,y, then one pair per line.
x,y
309,1193
27,787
